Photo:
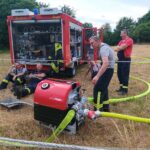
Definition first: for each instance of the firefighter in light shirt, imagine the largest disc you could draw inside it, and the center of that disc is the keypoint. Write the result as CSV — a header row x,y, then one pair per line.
x,y
16,75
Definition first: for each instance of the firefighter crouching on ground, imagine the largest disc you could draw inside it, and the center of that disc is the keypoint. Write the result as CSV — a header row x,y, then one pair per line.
x,y
16,75
102,79
34,78
56,59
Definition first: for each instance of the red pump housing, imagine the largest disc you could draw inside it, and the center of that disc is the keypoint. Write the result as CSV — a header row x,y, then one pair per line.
x,y
54,93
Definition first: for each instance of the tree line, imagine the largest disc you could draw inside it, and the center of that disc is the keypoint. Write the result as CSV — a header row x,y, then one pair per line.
x,y
139,31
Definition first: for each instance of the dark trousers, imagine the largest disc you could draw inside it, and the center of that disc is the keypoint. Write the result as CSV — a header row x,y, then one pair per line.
x,y
5,81
9,78
123,72
30,88
102,87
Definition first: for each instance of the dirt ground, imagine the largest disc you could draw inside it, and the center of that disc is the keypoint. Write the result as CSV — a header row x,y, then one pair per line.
x,y
103,132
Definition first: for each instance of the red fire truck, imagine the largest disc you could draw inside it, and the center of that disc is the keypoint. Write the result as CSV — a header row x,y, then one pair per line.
x,y
48,37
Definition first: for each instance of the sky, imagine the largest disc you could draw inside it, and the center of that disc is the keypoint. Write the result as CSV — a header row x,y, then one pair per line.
x,y
99,12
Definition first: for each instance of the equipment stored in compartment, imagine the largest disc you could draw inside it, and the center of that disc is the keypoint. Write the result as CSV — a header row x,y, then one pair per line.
x,y
53,38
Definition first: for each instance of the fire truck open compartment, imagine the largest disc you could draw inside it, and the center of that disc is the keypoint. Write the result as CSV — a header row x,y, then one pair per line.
x,y
76,43
34,38
33,41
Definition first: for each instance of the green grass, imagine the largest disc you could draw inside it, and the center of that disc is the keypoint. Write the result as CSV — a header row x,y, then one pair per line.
x,y
103,132
5,50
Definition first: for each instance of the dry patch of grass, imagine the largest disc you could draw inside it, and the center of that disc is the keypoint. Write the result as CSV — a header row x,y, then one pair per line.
x,y
104,132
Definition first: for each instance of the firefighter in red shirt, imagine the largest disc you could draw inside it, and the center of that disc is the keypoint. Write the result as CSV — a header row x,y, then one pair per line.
x,y
124,50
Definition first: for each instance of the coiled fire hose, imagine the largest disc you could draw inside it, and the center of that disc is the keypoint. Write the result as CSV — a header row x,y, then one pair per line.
x,y
121,116
117,100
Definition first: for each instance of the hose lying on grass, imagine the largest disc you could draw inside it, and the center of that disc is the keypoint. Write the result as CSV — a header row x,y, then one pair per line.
x,y
116,100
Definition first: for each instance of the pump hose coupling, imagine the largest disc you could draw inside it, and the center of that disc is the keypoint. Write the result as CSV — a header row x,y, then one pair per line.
x,y
91,114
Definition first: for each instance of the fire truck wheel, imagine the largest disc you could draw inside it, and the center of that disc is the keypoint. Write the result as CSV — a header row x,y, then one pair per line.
x,y
72,71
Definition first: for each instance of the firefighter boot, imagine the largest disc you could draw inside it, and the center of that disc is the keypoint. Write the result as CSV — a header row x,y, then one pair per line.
x,y
20,92
3,85
120,89
124,91
106,108
17,92
25,92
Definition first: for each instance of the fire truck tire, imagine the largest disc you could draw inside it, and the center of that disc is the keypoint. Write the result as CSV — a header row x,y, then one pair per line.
x,y
71,71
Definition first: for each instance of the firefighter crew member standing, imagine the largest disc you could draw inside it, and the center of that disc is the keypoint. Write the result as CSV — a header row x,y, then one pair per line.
x,y
124,50
102,79
34,78
16,75
56,59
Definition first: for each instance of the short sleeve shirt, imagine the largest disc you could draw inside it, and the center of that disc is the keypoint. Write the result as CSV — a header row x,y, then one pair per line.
x,y
129,42
107,51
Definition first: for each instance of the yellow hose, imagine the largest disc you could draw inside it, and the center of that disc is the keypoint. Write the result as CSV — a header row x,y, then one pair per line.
x,y
125,117
116,100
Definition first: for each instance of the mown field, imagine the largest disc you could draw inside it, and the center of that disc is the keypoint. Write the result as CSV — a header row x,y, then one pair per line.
x,y
103,132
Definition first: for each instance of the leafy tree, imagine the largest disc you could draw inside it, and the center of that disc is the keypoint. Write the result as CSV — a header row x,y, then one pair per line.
x,y
6,7
107,27
145,18
88,32
142,32
107,33
41,5
68,10
124,23
87,25
115,38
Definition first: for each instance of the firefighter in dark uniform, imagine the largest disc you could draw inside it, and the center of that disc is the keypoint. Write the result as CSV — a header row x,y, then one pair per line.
x,y
16,75
34,78
124,50
103,77
56,59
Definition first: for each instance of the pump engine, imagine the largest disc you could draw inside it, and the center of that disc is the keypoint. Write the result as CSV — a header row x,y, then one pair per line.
x,y
53,99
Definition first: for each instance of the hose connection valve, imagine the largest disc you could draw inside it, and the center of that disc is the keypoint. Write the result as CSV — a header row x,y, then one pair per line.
x,y
91,114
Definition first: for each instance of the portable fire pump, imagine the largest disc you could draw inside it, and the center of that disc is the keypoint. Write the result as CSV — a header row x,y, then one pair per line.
x,y
51,37
54,98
